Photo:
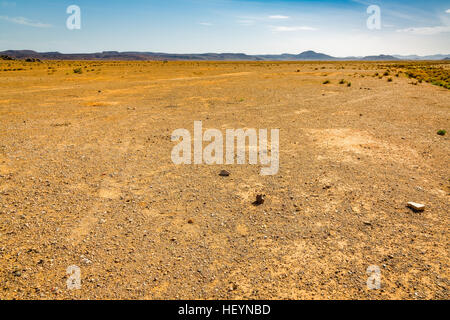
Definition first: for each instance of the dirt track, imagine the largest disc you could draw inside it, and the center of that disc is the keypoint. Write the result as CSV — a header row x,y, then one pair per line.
x,y
86,179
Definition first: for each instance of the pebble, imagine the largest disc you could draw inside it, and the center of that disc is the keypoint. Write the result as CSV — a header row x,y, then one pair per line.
x,y
224,173
416,206
260,198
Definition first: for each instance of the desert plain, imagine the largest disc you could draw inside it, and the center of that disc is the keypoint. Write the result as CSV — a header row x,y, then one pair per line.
x,y
87,180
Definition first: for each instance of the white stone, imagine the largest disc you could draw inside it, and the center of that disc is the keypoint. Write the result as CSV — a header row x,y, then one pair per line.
x,y
416,206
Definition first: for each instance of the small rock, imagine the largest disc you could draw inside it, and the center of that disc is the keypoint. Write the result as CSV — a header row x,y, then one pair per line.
x,y
416,206
260,198
224,173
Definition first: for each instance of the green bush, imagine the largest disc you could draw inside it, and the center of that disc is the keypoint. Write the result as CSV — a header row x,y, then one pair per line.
x,y
78,70
442,132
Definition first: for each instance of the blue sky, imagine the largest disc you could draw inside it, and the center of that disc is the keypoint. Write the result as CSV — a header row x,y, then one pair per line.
x,y
250,26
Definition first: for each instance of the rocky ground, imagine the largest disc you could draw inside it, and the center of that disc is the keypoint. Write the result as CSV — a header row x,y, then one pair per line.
x,y
86,179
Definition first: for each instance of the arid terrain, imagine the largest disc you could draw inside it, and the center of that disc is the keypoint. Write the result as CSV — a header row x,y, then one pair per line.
x,y
86,179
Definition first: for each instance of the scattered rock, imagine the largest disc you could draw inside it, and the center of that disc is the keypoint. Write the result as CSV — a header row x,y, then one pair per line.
x,y
417,207
224,173
260,198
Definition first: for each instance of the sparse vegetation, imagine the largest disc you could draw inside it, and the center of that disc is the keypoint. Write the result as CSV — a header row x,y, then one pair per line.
x,y
5,57
32,60
92,168
78,70
430,73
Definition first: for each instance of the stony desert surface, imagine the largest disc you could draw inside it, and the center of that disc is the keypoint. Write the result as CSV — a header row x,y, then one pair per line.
x,y
86,179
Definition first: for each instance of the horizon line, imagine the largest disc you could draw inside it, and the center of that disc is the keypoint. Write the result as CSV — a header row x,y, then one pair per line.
x,y
224,52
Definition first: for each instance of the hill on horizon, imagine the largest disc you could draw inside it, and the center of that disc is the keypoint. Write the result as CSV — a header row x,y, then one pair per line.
x,y
149,56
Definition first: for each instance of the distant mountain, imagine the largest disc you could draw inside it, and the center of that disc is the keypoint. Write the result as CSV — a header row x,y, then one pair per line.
x,y
148,56
381,57
304,56
311,55
432,57
127,56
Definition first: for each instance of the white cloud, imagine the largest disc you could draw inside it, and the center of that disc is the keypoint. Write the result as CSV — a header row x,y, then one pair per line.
x,y
25,22
246,22
292,28
447,11
426,30
208,24
278,17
